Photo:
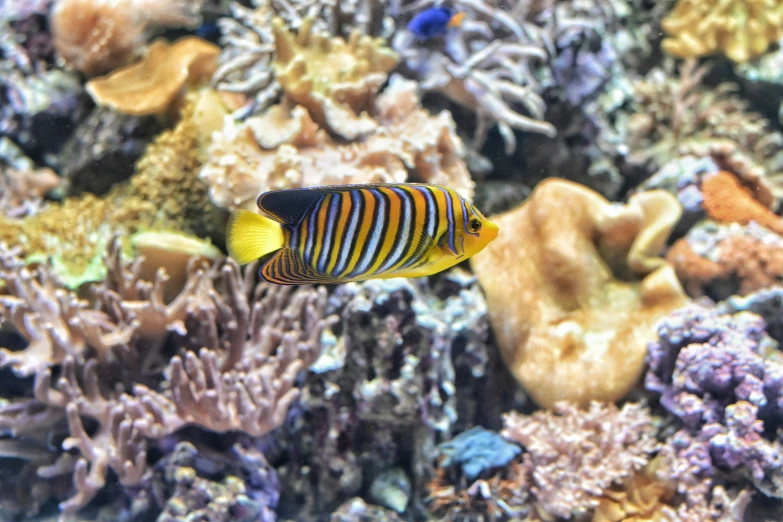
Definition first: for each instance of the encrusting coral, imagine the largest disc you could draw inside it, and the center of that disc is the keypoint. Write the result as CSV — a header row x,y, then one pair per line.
x,y
740,29
575,290
716,373
285,148
151,85
96,36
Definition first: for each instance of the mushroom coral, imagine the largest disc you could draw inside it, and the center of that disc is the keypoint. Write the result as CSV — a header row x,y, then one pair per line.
x,y
575,289
741,29
149,86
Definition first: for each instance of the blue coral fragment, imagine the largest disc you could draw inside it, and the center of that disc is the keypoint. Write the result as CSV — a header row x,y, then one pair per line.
x,y
478,450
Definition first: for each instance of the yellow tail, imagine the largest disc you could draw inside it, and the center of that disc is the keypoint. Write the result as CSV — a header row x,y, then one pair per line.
x,y
250,236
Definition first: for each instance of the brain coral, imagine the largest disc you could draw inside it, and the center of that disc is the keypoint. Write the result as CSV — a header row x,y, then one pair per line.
x,y
574,285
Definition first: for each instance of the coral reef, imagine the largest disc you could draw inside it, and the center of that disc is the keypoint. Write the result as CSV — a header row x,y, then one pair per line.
x,y
285,148
673,115
406,356
163,193
740,29
563,373
575,291
109,364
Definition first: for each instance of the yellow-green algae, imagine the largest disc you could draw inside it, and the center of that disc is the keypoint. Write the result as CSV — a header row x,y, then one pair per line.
x,y
164,194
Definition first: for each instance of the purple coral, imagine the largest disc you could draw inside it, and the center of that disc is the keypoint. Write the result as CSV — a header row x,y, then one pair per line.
x,y
714,373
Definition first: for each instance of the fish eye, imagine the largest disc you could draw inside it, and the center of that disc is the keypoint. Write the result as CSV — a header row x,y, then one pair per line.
x,y
475,224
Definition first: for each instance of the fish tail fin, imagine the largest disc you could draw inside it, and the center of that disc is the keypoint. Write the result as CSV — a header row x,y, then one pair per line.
x,y
457,19
250,236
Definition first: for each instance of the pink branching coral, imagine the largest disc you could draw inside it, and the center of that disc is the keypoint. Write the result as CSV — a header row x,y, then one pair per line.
x,y
574,456
96,36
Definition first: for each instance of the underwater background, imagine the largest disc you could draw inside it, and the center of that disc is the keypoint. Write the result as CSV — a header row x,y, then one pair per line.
x,y
614,355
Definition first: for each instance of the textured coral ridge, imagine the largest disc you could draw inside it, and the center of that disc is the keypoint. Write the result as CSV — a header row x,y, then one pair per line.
x,y
102,379
575,290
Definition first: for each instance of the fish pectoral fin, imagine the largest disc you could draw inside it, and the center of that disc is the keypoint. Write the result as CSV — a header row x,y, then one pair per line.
x,y
250,236
288,268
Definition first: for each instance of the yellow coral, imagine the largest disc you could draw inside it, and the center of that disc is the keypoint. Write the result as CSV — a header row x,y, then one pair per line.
x,y
574,285
150,86
333,79
741,29
163,193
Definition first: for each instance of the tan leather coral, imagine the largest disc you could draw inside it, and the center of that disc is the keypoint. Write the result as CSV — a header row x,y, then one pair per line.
x,y
740,29
333,79
150,86
574,285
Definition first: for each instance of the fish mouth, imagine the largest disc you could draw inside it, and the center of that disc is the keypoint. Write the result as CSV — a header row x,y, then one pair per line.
x,y
491,230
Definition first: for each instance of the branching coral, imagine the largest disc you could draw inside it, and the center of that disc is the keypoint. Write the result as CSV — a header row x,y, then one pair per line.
x,y
150,86
575,290
96,36
741,29
485,66
284,148
574,456
676,116
253,340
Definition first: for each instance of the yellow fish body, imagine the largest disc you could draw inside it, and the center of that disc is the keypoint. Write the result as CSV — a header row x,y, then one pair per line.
x,y
342,233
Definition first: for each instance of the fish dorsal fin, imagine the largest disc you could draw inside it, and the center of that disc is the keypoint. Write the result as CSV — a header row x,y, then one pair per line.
x,y
289,206
287,267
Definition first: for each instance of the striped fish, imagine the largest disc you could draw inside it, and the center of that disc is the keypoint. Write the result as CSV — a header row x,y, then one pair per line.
x,y
342,233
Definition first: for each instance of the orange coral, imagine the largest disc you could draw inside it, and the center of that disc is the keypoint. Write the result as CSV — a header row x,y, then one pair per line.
x,y
574,285
95,36
726,200
641,500
754,263
150,86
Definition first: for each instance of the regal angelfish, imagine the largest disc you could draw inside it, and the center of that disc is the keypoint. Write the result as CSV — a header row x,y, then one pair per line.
x,y
342,233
